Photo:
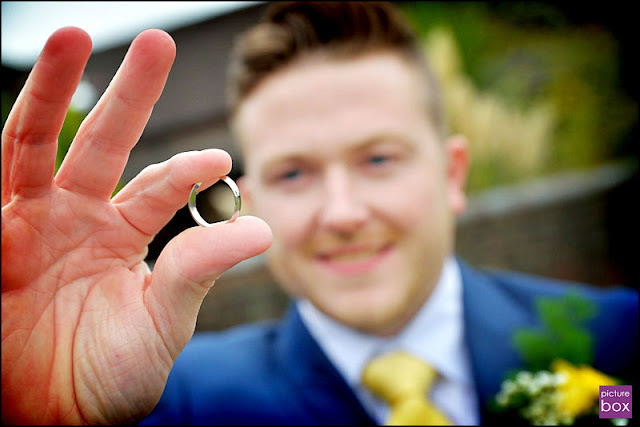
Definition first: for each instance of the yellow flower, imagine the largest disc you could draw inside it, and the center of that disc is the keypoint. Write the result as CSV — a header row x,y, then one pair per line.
x,y
579,392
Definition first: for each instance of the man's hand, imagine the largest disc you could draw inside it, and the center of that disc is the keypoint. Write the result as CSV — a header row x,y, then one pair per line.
x,y
89,334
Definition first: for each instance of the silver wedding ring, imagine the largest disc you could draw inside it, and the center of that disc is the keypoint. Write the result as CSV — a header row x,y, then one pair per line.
x,y
194,210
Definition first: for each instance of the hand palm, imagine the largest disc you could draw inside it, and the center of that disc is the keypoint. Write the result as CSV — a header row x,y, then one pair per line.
x,y
81,285
89,334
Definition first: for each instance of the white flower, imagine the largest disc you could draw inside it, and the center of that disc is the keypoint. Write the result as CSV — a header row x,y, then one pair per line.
x,y
524,377
620,421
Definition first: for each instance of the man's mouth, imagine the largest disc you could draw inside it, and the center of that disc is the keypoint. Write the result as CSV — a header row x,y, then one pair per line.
x,y
356,259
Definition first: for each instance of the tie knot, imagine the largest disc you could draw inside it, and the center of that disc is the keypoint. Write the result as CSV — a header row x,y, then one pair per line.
x,y
398,375
403,381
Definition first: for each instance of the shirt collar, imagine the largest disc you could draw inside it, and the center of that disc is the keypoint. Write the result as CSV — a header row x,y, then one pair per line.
x,y
436,334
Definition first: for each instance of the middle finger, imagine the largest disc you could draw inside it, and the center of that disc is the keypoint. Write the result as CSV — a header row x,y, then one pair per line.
x,y
99,152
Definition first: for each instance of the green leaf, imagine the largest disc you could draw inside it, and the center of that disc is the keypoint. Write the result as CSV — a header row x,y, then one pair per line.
x,y
562,333
535,347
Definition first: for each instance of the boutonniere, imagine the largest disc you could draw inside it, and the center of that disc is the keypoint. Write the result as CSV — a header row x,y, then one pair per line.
x,y
559,386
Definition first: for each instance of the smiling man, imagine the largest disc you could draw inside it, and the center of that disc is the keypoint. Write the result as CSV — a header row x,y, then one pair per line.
x,y
358,200
347,158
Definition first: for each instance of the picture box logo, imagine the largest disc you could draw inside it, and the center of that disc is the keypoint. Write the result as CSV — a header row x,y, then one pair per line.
x,y
615,401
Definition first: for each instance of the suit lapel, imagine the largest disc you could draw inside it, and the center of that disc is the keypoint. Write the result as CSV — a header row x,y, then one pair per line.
x,y
491,315
326,397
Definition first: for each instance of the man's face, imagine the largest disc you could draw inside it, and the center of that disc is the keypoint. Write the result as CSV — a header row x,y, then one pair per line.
x,y
342,162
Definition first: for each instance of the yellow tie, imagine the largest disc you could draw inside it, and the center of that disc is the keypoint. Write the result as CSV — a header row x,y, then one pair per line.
x,y
403,381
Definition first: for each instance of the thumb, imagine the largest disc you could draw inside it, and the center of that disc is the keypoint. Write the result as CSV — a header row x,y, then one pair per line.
x,y
187,268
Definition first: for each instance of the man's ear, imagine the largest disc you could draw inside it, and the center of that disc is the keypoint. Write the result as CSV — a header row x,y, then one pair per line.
x,y
246,195
457,155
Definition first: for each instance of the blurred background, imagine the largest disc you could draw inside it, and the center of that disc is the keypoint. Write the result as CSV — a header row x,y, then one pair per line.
x,y
544,92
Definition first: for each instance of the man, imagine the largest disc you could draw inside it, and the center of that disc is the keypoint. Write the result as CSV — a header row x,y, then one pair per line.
x,y
347,160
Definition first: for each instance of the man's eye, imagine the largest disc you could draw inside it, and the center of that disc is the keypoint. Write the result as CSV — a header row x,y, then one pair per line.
x,y
290,175
381,164
378,159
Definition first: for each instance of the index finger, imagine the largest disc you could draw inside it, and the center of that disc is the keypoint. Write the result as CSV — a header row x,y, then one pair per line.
x,y
30,135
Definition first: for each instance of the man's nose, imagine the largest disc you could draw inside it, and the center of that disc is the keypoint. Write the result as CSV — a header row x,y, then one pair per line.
x,y
343,208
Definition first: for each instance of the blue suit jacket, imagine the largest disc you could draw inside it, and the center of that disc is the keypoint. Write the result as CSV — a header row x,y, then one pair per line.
x,y
275,373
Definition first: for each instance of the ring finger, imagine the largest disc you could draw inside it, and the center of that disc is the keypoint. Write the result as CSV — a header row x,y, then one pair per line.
x,y
100,151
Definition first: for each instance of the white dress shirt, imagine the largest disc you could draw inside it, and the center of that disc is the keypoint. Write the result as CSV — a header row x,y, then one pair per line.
x,y
436,334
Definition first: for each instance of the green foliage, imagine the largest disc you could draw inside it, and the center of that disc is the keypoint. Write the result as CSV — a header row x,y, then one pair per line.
x,y
525,56
7,102
562,334
72,122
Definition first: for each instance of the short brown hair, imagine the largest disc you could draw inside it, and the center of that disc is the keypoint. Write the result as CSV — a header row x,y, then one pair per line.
x,y
289,30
